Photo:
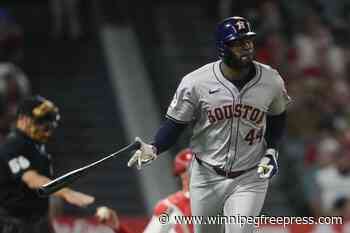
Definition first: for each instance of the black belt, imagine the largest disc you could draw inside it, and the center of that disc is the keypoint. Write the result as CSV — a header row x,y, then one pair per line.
x,y
221,171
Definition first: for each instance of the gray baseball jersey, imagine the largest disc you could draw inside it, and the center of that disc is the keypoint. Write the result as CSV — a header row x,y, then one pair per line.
x,y
228,124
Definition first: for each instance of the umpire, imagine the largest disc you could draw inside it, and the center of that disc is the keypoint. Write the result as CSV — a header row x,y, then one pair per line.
x,y
25,165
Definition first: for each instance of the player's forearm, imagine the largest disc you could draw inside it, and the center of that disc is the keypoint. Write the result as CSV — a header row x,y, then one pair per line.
x,y
275,128
167,135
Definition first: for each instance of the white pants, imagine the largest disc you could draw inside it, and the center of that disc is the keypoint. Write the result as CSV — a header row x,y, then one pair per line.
x,y
213,195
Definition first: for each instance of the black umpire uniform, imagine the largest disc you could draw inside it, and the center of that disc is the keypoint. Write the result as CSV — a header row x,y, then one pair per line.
x,y
21,209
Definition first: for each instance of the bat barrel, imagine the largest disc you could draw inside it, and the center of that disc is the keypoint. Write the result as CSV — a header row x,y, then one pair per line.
x,y
68,178
61,182
47,190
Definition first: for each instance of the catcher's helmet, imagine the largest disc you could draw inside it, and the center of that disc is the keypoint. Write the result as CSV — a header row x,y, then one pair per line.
x,y
182,161
230,29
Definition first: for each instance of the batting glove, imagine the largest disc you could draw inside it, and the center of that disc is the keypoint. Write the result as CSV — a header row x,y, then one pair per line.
x,y
268,166
143,156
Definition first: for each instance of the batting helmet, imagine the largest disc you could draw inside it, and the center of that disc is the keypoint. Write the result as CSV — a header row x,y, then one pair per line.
x,y
230,29
182,161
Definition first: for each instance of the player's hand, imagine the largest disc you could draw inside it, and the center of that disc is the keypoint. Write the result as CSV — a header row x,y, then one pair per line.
x,y
143,156
77,198
268,165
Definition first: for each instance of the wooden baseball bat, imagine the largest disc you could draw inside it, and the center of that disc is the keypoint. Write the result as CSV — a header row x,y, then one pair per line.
x,y
70,177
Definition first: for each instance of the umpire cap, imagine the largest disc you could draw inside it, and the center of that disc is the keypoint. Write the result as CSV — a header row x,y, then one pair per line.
x,y
40,109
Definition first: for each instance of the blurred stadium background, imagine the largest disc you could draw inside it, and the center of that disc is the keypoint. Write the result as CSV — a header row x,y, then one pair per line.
x,y
113,66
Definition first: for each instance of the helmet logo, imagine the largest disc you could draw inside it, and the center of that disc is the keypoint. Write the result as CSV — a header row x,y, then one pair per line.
x,y
240,25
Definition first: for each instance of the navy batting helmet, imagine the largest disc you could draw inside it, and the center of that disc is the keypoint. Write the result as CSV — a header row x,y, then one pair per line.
x,y
230,29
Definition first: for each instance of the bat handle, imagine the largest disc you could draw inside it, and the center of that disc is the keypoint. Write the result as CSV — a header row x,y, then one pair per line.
x,y
135,146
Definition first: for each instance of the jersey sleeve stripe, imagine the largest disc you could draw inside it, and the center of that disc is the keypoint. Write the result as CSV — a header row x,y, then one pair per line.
x,y
177,121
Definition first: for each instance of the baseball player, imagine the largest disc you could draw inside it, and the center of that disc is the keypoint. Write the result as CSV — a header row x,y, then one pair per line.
x,y
236,107
177,204
26,165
